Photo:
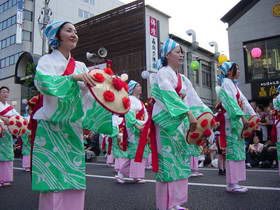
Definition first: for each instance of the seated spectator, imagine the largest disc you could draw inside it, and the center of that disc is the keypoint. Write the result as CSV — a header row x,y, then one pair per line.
x,y
269,156
254,153
92,146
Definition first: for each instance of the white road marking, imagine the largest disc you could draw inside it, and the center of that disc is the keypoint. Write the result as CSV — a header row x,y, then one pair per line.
x,y
190,183
200,169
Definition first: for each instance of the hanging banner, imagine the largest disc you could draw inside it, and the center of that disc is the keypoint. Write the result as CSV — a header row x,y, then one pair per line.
x,y
20,7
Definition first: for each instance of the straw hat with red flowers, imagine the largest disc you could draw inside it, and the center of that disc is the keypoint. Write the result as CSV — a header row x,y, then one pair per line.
x,y
110,90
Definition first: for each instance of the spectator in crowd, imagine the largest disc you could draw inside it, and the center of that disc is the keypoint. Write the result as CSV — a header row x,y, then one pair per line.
x,y
264,122
269,155
254,153
92,146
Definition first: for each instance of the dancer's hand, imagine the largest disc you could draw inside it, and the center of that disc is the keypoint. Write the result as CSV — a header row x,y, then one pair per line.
x,y
85,77
193,121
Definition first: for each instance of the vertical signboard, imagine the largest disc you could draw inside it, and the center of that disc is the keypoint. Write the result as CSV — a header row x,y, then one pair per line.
x,y
153,43
20,7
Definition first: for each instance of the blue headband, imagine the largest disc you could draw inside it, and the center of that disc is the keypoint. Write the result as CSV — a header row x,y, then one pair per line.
x,y
278,89
131,86
224,68
166,48
51,32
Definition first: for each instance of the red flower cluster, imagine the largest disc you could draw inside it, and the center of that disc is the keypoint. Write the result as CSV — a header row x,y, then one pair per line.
x,y
98,77
108,71
109,96
126,102
207,132
19,124
117,83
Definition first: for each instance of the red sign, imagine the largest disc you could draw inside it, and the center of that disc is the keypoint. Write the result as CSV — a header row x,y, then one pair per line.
x,y
153,27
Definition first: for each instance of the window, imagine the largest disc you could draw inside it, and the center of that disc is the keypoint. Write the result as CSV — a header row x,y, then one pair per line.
x,y
196,76
206,75
27,15
268,65
13,20
13,39
84,14
12,60
14,2
26,35
92,2
8,41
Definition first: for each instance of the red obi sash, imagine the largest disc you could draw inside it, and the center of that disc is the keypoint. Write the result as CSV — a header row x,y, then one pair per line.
x,y
140,115
5,111
221,119
122,129
179,85
110,142
238,99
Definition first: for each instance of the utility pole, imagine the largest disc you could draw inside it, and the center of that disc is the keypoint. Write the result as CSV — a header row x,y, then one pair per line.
x,y
43,21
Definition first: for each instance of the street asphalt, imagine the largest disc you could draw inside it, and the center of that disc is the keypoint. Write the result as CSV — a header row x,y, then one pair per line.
x,y
104,193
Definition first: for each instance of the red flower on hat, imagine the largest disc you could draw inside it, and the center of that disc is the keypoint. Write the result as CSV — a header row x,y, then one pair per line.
x,y
251,124
194,135
11,122
207,132
125,86
98,77
213,122
126,102
23,131
15,131
109,96
109,71
19,124
17,117
117,83
24,122
204,123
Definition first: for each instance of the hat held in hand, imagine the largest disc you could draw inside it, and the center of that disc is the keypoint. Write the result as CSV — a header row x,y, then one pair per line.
x,y
17,125
205,124
253,124
110,90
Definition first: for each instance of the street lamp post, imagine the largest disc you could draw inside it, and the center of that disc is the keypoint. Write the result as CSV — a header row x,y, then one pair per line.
x,y
43,20
194,47
214,64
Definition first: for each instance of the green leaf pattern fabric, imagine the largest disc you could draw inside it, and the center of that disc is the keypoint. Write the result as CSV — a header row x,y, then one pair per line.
x,y
6,147
26,147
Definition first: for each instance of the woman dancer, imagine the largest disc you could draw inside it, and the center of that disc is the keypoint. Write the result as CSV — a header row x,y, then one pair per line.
x,y
6,139
58,161
237,108
174,96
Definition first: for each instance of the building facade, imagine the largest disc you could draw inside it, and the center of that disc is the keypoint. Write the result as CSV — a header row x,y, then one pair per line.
x,y
20,31
256,24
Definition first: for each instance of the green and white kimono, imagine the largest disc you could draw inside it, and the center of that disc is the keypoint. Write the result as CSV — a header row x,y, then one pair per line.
x,y
117,152
132,131
276,104
233,123
6,141
169,115
26,147
58,161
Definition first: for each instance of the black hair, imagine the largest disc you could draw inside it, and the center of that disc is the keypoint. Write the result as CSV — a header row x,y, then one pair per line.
x,y
4,87
233,68
165,62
